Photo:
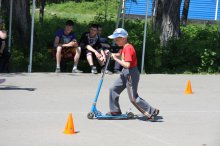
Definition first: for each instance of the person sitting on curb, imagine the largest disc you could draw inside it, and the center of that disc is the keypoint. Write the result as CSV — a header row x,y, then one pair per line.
x,y
66,39
90,42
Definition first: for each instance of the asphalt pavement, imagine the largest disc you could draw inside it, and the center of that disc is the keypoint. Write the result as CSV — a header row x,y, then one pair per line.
x,y
34,108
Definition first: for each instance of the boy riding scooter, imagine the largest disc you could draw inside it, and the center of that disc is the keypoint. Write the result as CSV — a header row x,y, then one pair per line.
x,y
127,59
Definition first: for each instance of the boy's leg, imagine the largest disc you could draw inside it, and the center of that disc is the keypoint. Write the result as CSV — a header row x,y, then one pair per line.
x,y
58,58
77,56
89,58
90,61
142,105
76,60
115,91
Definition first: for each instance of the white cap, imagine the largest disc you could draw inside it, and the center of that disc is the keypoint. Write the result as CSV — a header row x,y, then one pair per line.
x,y
119,32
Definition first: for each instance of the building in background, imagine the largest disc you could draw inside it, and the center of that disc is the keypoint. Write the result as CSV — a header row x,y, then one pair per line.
x,y
198,9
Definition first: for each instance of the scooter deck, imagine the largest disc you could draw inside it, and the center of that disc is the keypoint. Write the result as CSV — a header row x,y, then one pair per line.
x,y
104,116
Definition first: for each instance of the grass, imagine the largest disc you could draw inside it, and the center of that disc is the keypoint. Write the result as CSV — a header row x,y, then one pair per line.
x,y
85,11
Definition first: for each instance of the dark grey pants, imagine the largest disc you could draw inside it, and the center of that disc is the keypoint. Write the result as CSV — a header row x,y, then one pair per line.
x,y
120,84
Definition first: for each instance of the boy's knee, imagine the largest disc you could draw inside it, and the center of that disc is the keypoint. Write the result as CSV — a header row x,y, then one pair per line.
x,y
78,49
89,54
59,49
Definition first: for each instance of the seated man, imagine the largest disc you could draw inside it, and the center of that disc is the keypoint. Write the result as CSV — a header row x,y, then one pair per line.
x,y
105,45
90,41
65,39
4,54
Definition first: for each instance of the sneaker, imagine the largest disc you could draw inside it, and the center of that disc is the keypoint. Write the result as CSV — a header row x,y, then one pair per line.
x,y
94,70
57,70
113,113
2,80
156,112
75,70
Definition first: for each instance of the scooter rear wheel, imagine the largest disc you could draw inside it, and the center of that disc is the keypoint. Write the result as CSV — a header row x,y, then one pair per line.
x,y
130,115
90,115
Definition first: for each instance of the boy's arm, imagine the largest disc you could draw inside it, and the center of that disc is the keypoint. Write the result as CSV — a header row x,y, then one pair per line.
x,y
90,48
73,43
122,63
117,54
103,56
56,42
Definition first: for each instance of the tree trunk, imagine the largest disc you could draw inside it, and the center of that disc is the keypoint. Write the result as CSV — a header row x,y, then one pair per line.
x,y
168,20
21,21
185,12
0,4
41,14
152,13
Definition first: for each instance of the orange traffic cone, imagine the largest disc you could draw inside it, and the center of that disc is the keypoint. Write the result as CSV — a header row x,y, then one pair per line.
x,y
188,88
69,129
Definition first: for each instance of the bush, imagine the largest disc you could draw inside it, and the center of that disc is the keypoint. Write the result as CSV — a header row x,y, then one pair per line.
x,y
196,51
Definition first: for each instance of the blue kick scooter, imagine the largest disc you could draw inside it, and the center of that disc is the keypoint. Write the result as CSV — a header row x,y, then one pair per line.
x,y
94,113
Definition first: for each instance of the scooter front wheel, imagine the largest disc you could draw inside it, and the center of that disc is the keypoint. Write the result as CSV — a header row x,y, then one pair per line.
x,y
90,115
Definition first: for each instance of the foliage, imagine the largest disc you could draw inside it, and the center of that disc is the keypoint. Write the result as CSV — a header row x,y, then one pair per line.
x,y
196,51
18,62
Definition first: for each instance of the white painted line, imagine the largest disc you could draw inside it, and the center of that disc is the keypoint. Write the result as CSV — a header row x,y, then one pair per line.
x,y
189,111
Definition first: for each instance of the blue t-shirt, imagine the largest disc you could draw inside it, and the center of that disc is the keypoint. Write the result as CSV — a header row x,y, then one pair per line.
x,y
64,39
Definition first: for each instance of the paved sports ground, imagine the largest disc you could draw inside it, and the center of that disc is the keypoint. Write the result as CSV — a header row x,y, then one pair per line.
x,y
34,109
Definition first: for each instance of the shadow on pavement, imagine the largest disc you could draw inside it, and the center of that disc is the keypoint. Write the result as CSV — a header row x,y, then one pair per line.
x,y
2,80
16,88
144,118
